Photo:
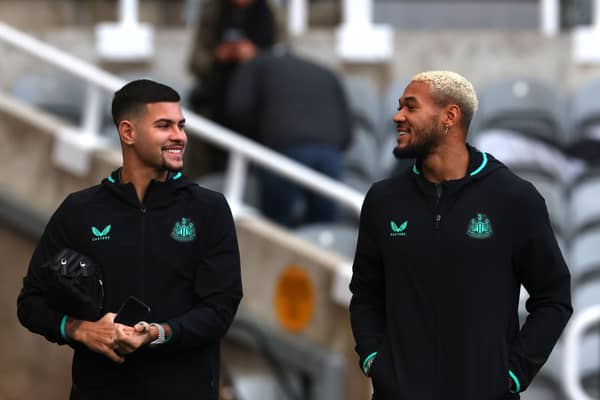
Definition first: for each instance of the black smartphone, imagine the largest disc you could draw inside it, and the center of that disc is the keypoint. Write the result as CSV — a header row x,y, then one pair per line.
x,y
132,311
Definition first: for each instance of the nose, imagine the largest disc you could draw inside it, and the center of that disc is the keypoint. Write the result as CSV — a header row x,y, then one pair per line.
x,y
399,116
178,134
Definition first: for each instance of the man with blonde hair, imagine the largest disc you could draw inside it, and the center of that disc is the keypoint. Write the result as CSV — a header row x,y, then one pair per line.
x,y
442,252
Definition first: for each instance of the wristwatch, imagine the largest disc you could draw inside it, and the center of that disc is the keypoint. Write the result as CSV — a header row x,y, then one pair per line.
x,y
161,335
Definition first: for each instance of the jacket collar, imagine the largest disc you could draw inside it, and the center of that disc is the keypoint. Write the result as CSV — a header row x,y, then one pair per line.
x,y
157,194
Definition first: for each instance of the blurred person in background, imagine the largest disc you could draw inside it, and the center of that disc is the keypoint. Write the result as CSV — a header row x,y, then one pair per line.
x,y
442,252
299,109
229,33
162,239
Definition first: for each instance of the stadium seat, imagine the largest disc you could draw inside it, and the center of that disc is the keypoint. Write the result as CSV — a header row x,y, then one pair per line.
x,y
586,294
553,193
53,91
337,237
585,111
216,181
363,98
584,200
361,158
527,105
521,151
584,256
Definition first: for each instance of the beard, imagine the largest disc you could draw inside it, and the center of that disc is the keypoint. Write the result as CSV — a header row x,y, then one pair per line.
x,y
428,141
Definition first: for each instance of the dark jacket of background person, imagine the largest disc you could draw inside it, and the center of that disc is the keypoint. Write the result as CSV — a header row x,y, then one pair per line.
x,y
221,21
436,282
189,277
282,100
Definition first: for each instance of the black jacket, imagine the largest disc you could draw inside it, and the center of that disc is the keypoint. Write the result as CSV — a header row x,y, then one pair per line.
x,y
436,284
282,100
178,253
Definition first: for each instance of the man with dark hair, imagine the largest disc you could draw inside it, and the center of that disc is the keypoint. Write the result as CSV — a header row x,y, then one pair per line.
x,y
158,237
442,252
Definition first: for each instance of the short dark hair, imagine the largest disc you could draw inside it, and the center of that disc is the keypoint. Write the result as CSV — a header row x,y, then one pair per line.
x,y
132,97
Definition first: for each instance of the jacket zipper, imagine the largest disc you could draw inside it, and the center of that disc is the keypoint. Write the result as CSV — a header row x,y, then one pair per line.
x,y
143,211
438,216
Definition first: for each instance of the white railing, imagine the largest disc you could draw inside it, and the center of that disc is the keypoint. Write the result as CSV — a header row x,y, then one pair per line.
x,y
240,148
579,324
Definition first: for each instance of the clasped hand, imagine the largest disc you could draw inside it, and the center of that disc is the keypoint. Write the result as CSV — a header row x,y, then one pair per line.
x,y
108,338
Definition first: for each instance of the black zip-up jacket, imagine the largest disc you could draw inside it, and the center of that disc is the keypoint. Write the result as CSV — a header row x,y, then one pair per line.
x,y
177,252
436,280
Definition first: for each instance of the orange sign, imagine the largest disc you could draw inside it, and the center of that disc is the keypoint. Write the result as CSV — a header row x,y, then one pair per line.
x,y
294,299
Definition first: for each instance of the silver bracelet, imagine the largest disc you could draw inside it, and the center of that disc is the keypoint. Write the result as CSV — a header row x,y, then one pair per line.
x,y
161,335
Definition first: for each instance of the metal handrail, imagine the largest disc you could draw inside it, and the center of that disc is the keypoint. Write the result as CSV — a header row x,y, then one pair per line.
x,y
240,148
579,324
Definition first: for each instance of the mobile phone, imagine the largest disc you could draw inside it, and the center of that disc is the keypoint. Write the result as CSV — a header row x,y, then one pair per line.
x,y
132,311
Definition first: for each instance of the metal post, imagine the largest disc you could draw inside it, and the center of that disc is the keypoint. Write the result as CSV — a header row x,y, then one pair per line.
x,y
297,17
596,14
90,118
550,17
235,179
128,12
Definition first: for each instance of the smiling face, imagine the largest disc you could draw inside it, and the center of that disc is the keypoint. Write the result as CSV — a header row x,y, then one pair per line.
x,y
417,122
159,138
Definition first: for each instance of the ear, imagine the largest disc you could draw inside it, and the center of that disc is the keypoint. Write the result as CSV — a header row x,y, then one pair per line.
x,y
127,131
452,115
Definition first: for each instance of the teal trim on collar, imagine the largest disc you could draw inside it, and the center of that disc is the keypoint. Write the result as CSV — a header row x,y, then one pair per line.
x,y
484,162
177,176
515,379
111,179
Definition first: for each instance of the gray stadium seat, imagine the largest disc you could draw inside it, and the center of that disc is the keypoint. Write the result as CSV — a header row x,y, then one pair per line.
x,y
526,105
553,192
361,158
216,181
586,294
585,111
517,150
53,91
584,256
337,237
584,202
363,98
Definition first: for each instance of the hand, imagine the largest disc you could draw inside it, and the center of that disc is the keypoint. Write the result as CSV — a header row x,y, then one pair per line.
x,y
225,52
245,50
99,336
130,339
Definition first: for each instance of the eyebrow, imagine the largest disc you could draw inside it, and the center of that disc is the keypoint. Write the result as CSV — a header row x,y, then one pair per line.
x,y
169,121
407,99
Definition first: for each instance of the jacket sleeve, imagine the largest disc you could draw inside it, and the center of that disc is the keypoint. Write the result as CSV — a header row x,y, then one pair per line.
x,y
367,305
33,311
204,41
541,269
217,286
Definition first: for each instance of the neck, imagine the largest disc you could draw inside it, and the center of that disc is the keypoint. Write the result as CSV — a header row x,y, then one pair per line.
x,y
140,178
447,162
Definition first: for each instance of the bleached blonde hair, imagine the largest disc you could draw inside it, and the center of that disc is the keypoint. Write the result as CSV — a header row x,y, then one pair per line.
x,y
449,87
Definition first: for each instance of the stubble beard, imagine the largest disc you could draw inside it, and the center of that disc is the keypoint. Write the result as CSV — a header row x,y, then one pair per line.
x,y
426,146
